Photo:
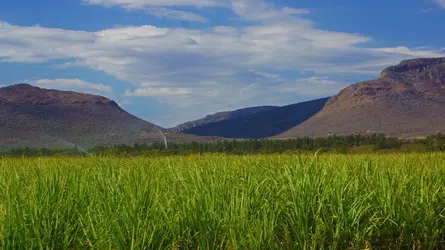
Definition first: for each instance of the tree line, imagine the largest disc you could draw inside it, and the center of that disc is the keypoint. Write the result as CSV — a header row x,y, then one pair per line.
x,y
334,144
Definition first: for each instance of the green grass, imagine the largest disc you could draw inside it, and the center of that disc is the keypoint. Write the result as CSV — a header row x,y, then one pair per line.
x,y
224,202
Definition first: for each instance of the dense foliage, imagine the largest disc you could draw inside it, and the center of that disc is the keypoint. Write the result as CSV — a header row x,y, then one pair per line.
x,y
224,202
336,144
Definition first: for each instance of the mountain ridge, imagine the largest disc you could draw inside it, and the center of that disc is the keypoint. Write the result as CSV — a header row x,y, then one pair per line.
x,y
35,117
261,124
407,100
221,116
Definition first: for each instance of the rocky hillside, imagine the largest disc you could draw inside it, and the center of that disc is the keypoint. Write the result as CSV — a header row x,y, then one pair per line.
x,y
406,100
269,122
35,117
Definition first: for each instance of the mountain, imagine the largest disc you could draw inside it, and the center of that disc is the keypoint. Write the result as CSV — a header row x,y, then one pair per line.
x,y
36,117
269,122
407,100
221,116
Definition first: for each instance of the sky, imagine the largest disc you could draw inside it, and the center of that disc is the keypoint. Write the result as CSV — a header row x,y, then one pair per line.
x,y
171,61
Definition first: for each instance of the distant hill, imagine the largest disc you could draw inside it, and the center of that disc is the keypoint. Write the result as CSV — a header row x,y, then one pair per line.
x,y
268,122
36,117
221,116
407,100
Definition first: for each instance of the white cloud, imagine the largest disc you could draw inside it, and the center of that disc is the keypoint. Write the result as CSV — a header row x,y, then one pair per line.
x,y
401,50
73,84
162,8
67,65
39,44
140,4
260,10
247,9
157,92
175,14
313,86
265,75
217,68
441,3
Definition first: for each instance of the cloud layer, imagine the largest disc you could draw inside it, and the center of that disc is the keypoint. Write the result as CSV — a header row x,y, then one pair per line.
x,y
139,4
441,3
201,71
74,84
157,92
162,8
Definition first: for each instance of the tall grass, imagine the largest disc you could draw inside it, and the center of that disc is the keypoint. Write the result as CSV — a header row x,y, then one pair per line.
x,y
224,202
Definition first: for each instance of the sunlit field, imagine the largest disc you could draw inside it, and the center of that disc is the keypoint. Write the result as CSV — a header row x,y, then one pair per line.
x,y
224,202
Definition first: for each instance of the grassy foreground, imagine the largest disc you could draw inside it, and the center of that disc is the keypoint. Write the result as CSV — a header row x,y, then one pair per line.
x,y
224,202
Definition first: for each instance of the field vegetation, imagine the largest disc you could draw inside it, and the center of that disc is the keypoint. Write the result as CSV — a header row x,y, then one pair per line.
x,y
224,202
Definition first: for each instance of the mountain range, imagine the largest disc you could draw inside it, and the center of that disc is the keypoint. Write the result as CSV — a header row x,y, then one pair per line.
x,y
407,100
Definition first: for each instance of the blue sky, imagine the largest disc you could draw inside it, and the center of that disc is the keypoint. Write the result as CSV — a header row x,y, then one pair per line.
x,y
170,61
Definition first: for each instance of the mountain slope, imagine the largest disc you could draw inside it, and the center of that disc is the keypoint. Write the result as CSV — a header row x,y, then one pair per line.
x,y
35,117
406,100
261,124
221,116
